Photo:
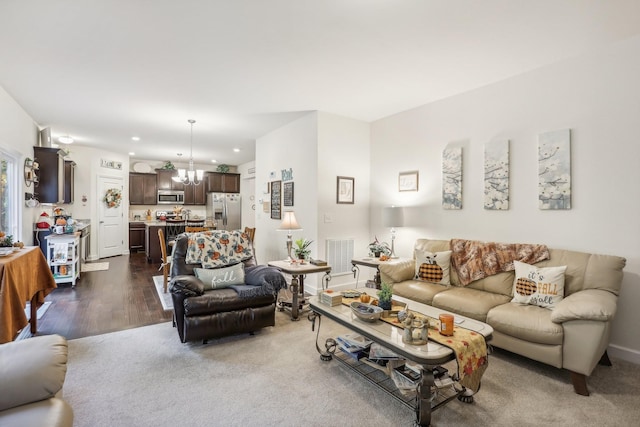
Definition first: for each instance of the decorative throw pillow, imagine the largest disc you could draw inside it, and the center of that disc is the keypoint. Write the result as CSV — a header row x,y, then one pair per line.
x,y
433,267
218,278
543,287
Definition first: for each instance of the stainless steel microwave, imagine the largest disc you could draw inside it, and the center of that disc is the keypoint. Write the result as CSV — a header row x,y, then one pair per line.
x,y
170,197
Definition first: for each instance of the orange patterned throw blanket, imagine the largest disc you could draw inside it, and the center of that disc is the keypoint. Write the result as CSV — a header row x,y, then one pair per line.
x,y
474,260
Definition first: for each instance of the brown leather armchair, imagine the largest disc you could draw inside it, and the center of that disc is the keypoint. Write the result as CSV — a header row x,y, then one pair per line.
x,y
201,314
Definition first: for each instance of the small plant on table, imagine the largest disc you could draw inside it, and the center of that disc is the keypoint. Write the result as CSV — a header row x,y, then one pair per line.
x,y
384,296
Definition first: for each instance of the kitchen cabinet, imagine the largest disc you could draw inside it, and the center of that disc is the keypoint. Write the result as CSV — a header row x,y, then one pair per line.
x,y
69,180
137,237
152,244
223,182
143,189
165,181
51,174
195,194
63,257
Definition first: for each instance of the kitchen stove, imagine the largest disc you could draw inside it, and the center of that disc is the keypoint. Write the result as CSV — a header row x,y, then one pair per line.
x,y
162,215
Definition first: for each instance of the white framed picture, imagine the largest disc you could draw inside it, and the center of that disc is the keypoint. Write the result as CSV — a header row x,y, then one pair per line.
x,y
345,189
408,181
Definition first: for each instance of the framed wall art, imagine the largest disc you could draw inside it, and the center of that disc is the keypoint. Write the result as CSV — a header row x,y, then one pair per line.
x,y
496,175
287,194
276,207
408,181
452,178
554,170
345,189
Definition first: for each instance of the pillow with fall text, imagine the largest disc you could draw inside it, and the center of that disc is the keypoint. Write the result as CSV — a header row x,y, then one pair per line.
x,y
543,287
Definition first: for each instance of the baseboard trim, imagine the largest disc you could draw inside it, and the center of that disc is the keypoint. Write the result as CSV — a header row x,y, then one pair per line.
x,y
624,353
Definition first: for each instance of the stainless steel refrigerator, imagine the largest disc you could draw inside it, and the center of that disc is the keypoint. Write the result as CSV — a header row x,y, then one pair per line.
x,y
225,210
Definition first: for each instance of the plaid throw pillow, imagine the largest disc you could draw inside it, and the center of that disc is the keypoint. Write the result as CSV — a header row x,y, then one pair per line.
x,y
433,267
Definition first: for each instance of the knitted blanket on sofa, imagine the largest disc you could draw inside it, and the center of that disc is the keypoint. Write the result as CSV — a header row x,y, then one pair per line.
x,y
475,260
260,280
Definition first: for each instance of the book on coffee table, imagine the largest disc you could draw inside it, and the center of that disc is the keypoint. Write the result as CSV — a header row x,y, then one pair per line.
x,y
353,342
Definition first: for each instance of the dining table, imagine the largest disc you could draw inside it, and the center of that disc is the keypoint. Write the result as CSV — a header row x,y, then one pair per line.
x,y
24,276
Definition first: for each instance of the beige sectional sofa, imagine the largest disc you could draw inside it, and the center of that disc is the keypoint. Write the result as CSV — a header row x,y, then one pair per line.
x,y
32,373
574,335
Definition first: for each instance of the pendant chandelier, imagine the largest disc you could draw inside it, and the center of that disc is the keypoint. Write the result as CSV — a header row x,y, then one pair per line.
x,y
191,176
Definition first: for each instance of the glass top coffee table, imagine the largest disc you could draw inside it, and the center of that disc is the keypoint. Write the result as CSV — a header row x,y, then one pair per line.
x,y
429,357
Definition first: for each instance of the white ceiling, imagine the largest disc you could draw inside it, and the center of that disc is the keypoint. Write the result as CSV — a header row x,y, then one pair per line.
x,y
103,71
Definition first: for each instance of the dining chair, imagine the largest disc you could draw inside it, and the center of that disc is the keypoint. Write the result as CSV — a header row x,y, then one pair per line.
x,y
166,260
251,232
173,228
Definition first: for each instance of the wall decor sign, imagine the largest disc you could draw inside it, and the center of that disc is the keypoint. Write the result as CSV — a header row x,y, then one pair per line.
x,y
345,190
496,175
276,207
408,181
111,164
287,194
554,170
287,174
452,178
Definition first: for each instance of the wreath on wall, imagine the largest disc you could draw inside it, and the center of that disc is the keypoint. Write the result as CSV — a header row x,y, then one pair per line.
x,y
113,198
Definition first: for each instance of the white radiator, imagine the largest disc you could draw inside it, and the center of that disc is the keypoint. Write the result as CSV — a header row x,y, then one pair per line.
x,y
339,255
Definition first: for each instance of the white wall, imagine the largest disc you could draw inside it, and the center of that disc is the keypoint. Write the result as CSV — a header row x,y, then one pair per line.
x,y
18,136
318,147
597,97
343,150
88,168
291,146
248,194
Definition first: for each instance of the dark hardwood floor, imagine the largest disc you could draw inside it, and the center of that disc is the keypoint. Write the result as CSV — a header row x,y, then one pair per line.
x,y
122,297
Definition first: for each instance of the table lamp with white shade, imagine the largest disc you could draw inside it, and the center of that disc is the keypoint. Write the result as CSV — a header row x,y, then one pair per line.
x,y
289,223
393,216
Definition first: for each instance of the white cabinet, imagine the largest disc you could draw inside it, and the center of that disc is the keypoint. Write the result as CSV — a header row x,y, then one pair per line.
x,y
63,257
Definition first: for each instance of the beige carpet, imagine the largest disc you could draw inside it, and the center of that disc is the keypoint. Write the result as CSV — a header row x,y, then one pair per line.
x,y
94,266
146,377
165,298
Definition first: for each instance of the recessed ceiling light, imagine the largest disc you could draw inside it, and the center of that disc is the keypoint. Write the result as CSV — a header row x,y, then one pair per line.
x,y
214,161
135,138
132,153
236,150
65,139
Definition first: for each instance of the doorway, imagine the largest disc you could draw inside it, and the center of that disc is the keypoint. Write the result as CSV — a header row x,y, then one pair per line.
x,y
110,217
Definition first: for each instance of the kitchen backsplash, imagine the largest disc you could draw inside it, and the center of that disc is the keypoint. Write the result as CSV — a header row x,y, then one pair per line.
x,y
139,212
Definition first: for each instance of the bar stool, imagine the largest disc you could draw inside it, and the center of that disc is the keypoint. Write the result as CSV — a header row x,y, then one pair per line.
x,y
173,228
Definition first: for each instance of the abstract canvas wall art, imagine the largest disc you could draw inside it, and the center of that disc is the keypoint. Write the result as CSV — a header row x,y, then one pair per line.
x,y
452,178
496,175
554,170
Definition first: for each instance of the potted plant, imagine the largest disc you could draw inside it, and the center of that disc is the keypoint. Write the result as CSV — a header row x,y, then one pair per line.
x,y
5,241
379,248
168,165
384,296
301,248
